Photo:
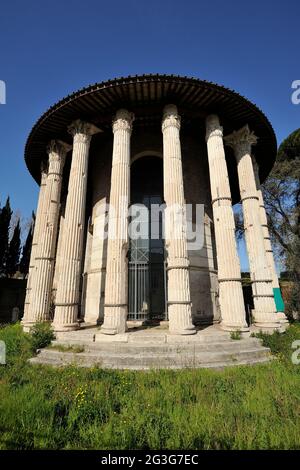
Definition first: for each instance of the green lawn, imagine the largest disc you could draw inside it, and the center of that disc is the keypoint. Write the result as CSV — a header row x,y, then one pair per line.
x,y
238,408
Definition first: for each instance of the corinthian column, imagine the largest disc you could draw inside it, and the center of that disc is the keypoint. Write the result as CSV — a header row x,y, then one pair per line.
x,y
27,319
268,247
264,306
229,272
179,300
116,282
67,296
45,255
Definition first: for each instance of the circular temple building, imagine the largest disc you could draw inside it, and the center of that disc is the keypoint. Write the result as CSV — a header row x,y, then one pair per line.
x,y
150,141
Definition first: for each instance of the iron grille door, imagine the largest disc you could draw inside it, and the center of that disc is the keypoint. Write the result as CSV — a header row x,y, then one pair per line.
x,y
138,274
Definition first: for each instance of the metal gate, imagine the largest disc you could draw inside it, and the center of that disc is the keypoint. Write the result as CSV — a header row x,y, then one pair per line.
x,y
147,291
138,295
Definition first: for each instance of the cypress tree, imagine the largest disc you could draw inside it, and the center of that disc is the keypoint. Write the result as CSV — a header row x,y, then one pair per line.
x,y
5,218
24,263
14,250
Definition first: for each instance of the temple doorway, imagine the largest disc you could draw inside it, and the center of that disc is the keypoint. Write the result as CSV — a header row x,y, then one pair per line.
x,y
146,267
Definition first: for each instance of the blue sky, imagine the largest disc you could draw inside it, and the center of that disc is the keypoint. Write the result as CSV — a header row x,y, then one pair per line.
x,y
51,48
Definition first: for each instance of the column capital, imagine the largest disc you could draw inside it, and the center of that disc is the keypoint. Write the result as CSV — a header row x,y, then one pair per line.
x,y
171,117
44,173
213,127
82,131
241,140
57,150
123,120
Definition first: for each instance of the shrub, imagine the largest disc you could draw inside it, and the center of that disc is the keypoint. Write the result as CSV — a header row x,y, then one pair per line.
x,y
236,335
42,335
18,343
281,343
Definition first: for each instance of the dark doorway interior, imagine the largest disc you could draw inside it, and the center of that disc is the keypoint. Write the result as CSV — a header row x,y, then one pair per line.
x,y
147,277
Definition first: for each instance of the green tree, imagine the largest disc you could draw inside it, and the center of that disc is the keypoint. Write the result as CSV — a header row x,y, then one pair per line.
x,y
281,192
282,201
5,218
14,250
25,259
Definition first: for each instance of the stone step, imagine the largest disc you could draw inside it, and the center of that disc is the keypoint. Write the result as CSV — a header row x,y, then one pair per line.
x,y
149,340
145,336
163,348
143,359
156,355
210,365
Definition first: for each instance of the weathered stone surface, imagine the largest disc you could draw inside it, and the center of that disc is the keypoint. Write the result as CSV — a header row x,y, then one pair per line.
x,y
267,239
264,306
210,348
203,286
46,249
28,319
67,296
179,299
116,284
233,315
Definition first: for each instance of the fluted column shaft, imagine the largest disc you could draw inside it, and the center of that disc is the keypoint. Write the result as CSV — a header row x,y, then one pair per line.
x,y
231,299
268,247
45,257
67,295
58,256
27,319
178,284
116,281
264,305
94,271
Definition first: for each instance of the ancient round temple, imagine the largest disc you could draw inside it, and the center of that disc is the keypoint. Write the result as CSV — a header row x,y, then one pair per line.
x,y
166,157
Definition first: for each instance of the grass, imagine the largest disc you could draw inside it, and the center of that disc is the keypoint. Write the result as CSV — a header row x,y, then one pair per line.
x,y
66,348
235,335
254,407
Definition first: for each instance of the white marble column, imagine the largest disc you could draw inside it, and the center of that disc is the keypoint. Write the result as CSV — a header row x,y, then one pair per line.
x,y
94,274
233,316
268,247
264,306
67,295
178,283
58,256
28,320
116,282
45,254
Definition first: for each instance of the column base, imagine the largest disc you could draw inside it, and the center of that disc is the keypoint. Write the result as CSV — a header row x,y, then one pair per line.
x,y
265,327
282,317
106,330
109,338
186,331
266,321
91,320
66,327
27,325
115,319
233,327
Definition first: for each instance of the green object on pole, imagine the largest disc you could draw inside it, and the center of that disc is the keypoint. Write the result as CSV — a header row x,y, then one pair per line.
x,y
278,299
